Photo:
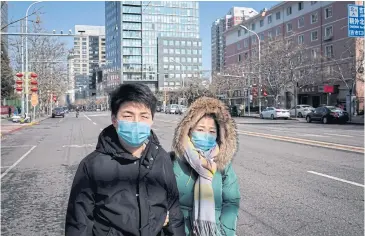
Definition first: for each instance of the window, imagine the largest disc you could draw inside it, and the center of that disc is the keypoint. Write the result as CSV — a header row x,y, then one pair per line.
x,y
328,12
165,67
245,43
328,31
188,43
177,51
301,39
254,39
269,19
183,43
239,33
278,31
301,22
261,23
314,35
314,18
171,51
262,36
246,55
313,2
278,15
238,46
165,59
253,26
289,27
239,58
300,6
177,43
245,30
314,53
288,11
269,34
329,51
183,51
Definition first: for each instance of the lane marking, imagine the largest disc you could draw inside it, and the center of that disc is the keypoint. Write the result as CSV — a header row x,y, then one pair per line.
x,y
79,146
313,135
101,129
100,115
60,121
335,178
15,146
87,118
16,163
297,140
94,123
340,135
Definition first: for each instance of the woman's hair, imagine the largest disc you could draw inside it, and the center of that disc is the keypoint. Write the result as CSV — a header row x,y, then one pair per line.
x,y
214,117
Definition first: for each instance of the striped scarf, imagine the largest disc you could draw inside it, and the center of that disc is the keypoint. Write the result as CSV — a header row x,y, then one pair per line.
x,y
204,223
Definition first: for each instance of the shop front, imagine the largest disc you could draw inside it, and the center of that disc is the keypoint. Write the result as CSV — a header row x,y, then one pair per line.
x,y
318,95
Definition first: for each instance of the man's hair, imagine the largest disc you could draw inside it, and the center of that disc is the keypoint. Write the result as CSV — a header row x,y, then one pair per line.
x,y
138,93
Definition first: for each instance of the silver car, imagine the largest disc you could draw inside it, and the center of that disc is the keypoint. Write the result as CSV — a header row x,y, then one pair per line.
x,y
181,109
171,109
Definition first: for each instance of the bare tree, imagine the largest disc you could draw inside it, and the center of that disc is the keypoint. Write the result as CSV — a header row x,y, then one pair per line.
x,y
47,58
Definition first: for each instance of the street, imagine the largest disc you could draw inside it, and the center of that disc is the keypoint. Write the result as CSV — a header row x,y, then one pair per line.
x,y
295,178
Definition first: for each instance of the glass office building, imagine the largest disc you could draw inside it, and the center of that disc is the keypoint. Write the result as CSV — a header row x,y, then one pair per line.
x,y
133,29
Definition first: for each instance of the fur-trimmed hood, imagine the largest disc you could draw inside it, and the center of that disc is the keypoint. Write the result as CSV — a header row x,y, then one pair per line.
x,y
227,140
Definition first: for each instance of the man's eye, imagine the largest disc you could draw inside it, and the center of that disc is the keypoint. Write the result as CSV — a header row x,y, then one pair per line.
x,y
145,117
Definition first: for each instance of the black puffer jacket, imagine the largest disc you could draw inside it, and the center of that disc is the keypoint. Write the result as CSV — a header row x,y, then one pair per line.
x,y
114,193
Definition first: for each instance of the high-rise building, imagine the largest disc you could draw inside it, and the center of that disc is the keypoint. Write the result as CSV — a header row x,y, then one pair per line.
x,y
145,41
89,52
70,96
234,17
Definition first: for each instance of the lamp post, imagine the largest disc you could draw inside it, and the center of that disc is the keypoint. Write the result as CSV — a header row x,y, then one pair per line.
x,y
183,77
258,38
26,59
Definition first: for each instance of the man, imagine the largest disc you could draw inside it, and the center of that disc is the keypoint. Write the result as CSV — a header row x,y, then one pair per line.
x,y
126,187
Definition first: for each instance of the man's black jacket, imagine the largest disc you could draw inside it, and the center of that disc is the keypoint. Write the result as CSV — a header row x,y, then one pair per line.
x,y
114,193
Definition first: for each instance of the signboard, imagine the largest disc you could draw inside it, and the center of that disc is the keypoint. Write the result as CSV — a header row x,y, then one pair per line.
x,y
34,99
355,20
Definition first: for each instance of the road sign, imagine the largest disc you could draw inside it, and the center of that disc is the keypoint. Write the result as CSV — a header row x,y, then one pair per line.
x,y
34,99
355,20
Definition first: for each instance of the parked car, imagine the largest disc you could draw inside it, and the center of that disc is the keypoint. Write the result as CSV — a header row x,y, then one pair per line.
x,y
58,111
302,110
274,113
328,114
181,109
158,108
171,109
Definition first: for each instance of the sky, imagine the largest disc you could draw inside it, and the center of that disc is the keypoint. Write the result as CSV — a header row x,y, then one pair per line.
x,y
57,15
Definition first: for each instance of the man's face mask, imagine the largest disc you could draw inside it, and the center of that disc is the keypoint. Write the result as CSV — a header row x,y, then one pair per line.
x,y
203,140
133,133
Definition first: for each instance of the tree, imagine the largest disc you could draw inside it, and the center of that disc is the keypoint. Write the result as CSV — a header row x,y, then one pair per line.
x,y
47,57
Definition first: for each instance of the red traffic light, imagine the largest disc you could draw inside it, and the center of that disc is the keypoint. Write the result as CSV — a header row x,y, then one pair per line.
x,y
33,75
33,82
19,81
19,75
54,98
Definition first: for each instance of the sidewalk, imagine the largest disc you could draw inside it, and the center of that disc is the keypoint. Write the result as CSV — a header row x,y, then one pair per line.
x,y
8,127
358,120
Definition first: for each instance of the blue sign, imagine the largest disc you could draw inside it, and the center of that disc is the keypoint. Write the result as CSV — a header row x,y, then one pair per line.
x,y
355,20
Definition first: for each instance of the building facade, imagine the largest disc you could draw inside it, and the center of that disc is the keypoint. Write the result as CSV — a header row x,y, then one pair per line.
x,y
235,16
134,30
70,96
322,28
88,53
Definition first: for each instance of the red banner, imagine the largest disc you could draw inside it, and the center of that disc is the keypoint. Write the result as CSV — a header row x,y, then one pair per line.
x,y
5,110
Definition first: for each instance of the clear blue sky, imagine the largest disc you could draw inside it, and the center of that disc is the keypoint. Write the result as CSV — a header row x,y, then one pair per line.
x,y
65,15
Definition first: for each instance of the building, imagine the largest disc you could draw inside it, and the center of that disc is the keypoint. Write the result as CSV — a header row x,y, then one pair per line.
x,y
234,17
136,31
88,52
322,28
70,96
82,91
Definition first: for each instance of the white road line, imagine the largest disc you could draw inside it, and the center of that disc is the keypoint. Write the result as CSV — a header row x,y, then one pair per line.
x,y
15,146
313,135
16,163
87,117
340,135
60,121
101,129
100,115
94,123
335,178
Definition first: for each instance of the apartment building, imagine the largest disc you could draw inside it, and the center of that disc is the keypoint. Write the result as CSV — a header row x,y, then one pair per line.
x,y
235,16
70,96
135,31
322,28
88,53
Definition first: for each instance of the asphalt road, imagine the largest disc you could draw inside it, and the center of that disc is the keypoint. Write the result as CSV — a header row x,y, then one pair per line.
x,y
295,178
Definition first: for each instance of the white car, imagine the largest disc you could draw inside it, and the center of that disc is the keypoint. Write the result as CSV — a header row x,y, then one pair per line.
x,y
171,109
302,110
274,113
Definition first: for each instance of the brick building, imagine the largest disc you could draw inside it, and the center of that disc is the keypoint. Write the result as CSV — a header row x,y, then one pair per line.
x,y
322,28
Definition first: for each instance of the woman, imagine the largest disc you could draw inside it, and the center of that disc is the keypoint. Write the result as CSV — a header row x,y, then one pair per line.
x,y
204,144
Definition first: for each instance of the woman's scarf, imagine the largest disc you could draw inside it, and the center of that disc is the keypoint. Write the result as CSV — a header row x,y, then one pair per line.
x,y
204,223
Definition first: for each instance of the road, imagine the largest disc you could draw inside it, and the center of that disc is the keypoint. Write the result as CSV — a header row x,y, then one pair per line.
x,y
295,178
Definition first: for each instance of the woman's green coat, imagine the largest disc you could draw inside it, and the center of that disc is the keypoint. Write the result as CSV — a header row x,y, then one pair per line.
x,y
225,183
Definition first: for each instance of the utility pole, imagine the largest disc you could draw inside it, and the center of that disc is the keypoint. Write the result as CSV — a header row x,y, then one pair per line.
x,y
22,59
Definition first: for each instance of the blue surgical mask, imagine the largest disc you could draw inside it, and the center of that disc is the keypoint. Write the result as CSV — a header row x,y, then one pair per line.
x,y
203,141
133,133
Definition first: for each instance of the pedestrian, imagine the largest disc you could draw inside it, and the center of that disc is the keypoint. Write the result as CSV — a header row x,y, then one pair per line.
x,y
204,144
127,185
9,111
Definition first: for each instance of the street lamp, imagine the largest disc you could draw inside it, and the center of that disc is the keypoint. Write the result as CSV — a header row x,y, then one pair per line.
x,y
26,58
183,76
258,38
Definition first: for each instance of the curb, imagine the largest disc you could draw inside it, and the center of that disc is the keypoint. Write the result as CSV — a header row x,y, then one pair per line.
x,y
257,117
21,127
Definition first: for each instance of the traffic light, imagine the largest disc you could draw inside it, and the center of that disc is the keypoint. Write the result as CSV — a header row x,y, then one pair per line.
x,y
33,82
19,82
264,92
54,98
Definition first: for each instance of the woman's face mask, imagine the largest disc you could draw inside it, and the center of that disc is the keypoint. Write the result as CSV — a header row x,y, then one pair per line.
x,y
203,140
